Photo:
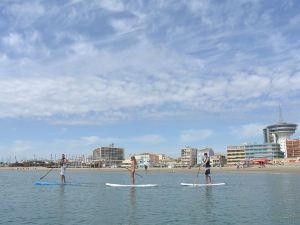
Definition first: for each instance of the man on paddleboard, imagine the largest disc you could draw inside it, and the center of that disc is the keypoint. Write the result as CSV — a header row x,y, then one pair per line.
x,y
133,167
63,166
206,162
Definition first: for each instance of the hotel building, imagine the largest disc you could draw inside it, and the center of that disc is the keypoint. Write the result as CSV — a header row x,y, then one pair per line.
x,y
267,150
293,148
279,133
108,156
218,160
188,156
147,159
200,154
236,154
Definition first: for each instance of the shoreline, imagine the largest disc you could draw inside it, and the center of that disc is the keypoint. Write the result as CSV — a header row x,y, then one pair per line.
x,y
267,169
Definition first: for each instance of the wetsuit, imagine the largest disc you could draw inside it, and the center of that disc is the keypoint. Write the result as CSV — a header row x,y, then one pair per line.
x,y
207,167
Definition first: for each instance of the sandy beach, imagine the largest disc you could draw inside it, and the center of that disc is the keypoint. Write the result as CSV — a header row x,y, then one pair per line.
x,y
267,169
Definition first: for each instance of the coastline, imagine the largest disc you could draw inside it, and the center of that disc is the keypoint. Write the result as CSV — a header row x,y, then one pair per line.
x,y
267,169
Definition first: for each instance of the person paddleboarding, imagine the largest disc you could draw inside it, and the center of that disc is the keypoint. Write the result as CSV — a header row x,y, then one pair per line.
x,y
63,165
133,167
206,164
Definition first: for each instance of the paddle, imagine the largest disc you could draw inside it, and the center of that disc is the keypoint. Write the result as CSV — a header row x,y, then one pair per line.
x,y
135,173
197,175
46,174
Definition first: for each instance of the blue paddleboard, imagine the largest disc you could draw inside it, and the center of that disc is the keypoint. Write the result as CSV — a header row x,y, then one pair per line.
x,y
40,183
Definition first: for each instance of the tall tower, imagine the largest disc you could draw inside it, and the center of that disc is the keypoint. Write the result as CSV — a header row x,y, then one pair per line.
x,y
279,132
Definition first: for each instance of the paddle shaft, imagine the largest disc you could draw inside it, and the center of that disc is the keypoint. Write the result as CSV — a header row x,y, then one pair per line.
x,y
135,173
46,174
197,175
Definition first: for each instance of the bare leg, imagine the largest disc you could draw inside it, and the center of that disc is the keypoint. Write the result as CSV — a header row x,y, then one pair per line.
x,y
63,179
132,178
208,179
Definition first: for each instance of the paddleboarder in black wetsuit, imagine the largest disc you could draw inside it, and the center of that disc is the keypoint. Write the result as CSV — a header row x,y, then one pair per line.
x,y
206,161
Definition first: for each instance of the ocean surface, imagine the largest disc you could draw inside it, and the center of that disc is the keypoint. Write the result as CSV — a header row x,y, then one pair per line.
x,y
247,198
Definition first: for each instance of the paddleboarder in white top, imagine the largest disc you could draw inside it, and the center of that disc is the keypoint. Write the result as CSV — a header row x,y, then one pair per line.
x,y
63,165
206,162
133,167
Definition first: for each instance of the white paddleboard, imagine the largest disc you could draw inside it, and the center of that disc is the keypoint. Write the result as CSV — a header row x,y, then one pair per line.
x,y
202,185
131,185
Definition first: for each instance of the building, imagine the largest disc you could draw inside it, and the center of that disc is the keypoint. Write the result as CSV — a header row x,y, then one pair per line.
x,y
166,161
293,148
108,156
240,153
188,156
235,154
279,133
126,163
147,159
218,160
200,154
267,150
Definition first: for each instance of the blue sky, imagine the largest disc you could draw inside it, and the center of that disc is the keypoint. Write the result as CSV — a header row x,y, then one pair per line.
x,y
148,76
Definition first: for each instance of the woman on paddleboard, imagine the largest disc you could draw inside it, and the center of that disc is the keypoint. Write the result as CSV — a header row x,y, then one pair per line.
x,y
206,162
63,165
133,167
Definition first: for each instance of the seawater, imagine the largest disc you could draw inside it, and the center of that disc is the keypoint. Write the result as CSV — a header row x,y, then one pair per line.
x,y
247,198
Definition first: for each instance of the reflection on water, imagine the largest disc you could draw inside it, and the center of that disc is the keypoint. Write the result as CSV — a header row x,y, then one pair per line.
x,y
208,201
133,198
132,208
61,203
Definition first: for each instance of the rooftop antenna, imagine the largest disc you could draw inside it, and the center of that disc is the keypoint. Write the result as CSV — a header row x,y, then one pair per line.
x,y
280,115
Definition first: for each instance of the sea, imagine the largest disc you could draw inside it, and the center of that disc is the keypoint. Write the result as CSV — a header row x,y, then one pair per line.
x,y
247,198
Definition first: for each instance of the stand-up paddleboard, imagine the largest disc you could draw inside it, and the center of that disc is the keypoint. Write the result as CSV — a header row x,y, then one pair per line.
x,y
201,185
131,185
40,183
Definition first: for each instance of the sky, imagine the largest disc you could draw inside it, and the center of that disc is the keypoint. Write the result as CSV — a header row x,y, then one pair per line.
x,y
149,76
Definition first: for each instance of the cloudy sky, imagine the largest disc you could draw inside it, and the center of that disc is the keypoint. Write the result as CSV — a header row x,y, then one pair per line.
x,y
148,76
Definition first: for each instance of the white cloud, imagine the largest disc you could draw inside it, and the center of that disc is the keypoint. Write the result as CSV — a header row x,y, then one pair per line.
x,y
26,44
248,131
27,149
12,39
25,13
94,99
191,136
152,139
111,5
98,75
99,141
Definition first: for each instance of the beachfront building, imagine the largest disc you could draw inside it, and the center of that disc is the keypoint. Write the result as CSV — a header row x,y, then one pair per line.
x,y
200,154
279,133
235,154
79,161
188,157
147,159
240,153
293,148
126,163
218,160
267,150
166,161
110,156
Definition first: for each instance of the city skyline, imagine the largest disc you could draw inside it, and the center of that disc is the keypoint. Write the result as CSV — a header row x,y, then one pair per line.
x,y
147,76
